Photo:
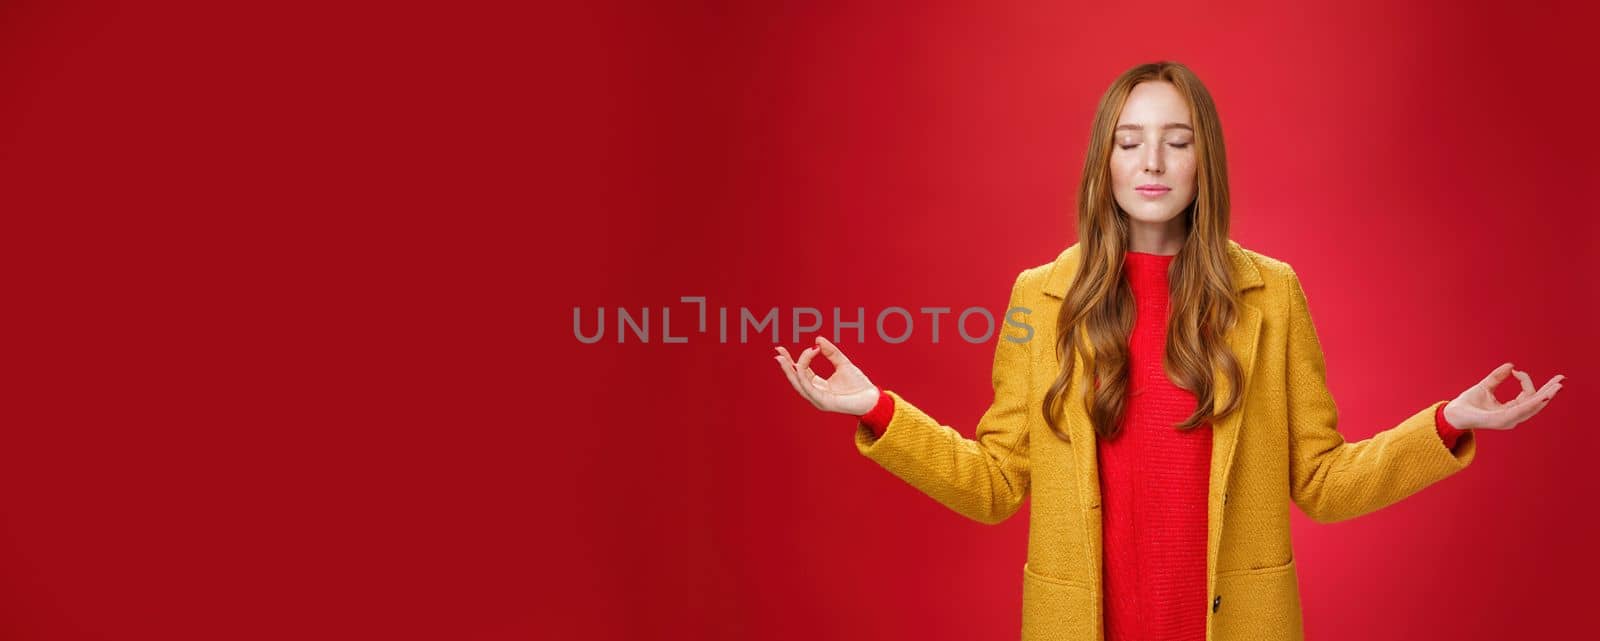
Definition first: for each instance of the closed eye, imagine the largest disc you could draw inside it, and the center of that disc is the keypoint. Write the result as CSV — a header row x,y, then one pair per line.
x,y
1175,145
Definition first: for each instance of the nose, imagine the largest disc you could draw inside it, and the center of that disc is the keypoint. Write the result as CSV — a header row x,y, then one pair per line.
x,y
1152,160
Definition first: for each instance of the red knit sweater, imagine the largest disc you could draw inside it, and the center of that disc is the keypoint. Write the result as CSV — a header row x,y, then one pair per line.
x,y
1154,482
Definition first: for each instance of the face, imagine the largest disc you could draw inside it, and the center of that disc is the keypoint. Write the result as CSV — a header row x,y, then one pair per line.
x,y
1153,156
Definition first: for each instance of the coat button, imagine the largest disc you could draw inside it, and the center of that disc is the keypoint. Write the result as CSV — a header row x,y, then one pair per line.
x,y
1216,602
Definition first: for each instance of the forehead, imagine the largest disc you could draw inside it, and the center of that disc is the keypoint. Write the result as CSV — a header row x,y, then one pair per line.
x,y
1154,103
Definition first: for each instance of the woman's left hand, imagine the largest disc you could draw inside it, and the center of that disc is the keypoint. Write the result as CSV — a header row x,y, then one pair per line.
x,y
1477,408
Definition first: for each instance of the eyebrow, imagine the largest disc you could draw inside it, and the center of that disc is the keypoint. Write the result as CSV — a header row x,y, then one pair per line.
x,y
1170,125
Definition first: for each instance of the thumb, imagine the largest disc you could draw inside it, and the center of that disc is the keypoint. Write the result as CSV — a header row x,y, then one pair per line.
x,y
832,353
1495,377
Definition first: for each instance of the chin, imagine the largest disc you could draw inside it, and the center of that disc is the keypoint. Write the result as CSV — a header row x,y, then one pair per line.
x,y
1156,217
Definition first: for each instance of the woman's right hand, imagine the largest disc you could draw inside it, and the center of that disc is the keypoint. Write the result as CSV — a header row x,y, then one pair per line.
x,y
847,391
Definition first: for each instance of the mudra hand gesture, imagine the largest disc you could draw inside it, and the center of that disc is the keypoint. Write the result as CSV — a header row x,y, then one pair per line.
x,y
1477,408
847,391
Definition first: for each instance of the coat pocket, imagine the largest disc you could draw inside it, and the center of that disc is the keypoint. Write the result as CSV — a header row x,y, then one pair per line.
x,y
1261,604
1056,609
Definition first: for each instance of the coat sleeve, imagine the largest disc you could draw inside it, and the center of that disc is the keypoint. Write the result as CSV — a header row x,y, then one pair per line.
x,y
984,479
1333,480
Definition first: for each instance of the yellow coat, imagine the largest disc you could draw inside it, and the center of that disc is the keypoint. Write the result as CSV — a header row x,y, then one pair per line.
x,y
1282,445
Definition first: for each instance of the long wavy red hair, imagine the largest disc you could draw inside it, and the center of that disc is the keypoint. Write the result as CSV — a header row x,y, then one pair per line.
x,y
1097,315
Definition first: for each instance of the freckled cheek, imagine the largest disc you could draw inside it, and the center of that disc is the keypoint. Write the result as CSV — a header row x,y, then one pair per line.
x,y
1123,172
1184,172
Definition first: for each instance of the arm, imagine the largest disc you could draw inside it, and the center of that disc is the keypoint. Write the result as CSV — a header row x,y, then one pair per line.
x,y
1333,480
983,479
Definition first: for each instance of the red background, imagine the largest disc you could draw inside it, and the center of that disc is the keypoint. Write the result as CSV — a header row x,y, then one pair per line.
x,y
291,289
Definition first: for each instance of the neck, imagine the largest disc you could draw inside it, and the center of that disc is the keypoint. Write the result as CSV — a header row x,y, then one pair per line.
x,y
1157,238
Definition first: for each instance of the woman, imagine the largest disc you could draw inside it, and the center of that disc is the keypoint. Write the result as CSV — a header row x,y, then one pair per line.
x,y
1166,315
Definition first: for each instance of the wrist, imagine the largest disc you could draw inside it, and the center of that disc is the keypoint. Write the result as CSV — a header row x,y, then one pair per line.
x,y
1452,418
881,413
877,401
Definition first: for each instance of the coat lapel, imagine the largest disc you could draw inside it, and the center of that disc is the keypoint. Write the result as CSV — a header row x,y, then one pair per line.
x,y
1242,338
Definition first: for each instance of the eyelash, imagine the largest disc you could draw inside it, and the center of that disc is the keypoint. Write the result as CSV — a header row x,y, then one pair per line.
x,y
1176,145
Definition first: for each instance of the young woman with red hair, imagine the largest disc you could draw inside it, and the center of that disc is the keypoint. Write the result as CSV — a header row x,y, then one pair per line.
x,y
1160,496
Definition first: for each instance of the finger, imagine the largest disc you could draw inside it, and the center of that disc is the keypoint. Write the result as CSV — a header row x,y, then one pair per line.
x,y
832,353
794,378
788,373
1525,398
1545,393
1493,379
803,366
1526,408
1527,385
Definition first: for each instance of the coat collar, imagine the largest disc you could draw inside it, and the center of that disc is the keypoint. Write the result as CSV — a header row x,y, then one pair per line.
x,y
1244,271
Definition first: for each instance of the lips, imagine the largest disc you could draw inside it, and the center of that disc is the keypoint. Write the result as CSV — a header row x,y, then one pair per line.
x,y
1152,189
